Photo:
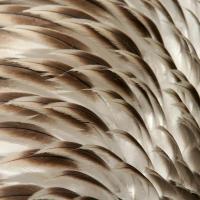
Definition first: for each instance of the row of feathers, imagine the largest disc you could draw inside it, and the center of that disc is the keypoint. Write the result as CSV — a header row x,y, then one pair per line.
x,y
99,100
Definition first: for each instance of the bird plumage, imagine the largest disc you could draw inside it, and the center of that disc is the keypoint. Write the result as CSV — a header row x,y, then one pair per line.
x,y
99,99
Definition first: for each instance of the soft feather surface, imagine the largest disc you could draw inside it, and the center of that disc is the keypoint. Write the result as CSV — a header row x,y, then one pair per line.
x,y
99,99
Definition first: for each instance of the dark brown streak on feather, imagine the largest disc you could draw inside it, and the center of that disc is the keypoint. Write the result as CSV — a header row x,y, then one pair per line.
x,y
27,126
147,97
84,177
151,73
23,155
89,5
113,94
136,115
91,59
51,159
75,82
146,68
178,8
7,96
3,78
135,21
126,42
172,93
13,8
24,74
115,79
98,4
63,41
28,133
10,63
187,194
170,62
61,192
10,2
20,110
18,190
193,92
66,144
89,115
144,93
78,150
102,38
27,19
166,12
133,140
74,13
109,152
134,170
155,30
81,78
90,155
52,64
88,198
45,159
68,118
16,197
60,66
45,100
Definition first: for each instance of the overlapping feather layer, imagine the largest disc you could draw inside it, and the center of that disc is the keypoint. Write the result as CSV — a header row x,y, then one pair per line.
x,y
99,99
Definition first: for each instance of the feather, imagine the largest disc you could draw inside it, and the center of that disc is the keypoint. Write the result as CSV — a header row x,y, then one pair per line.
x,y
99,99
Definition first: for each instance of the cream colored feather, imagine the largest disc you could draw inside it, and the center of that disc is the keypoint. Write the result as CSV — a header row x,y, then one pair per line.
x,y
99,100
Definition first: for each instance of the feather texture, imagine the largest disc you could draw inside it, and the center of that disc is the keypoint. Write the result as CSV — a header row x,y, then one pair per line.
x,y
99,99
